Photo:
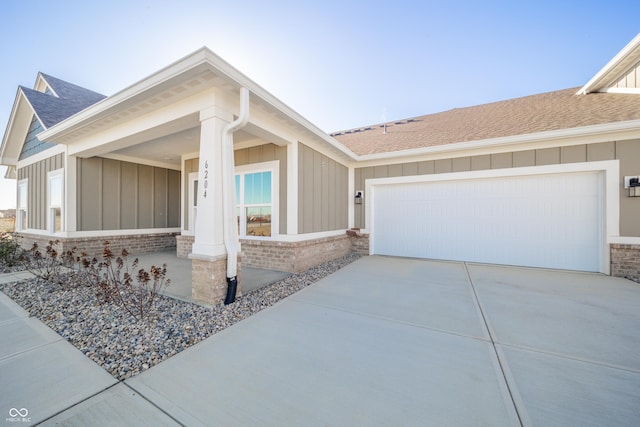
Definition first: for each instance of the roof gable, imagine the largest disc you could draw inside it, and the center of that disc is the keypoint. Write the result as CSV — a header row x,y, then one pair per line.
x,y
70,91
621,74
52,101
52,109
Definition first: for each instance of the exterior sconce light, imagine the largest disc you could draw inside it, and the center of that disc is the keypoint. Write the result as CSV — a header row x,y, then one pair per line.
x,y
634,187
358,197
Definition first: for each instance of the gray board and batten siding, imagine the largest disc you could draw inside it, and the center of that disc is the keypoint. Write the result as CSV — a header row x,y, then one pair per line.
x,y
628,152
36,174
117,195
322,186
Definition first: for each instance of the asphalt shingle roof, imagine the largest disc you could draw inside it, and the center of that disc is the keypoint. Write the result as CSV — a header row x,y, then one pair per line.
x,y
531,114
71,99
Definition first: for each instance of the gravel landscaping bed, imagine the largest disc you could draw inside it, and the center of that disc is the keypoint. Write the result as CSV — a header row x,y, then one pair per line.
x,y
109,336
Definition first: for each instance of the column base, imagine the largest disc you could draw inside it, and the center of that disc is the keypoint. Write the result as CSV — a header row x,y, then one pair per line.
x,y
209,279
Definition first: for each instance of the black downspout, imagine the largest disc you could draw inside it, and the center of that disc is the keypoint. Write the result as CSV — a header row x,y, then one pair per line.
x,y
232,286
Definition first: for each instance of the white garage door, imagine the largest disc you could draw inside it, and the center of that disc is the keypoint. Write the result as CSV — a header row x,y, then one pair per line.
x,y
552,221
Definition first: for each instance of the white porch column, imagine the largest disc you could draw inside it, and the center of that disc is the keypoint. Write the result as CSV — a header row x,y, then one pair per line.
x,y
209,243
208,254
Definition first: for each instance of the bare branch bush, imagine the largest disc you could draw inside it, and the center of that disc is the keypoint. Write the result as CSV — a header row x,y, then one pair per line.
x,y
54,266
115,282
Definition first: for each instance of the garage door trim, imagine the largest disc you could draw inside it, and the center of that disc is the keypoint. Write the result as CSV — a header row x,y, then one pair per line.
x,y
609,168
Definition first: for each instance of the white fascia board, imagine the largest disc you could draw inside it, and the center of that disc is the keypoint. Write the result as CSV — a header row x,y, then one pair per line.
x,y
189,63
42,85
200,60
10,148
626,57
258,91
142,128
42,155
573,136
11,173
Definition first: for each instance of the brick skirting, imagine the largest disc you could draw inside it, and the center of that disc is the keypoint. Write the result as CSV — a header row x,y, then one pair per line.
x,y
183,245
293,257
134,243
625,261
359,241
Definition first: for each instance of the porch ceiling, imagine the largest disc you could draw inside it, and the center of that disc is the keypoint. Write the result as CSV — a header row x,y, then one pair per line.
x,y
167,150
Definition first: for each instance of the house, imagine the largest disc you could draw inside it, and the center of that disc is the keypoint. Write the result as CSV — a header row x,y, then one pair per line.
x,y
200,158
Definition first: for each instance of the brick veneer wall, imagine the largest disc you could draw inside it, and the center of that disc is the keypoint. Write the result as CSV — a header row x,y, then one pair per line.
x,y
359,241
183,245
135,244
625,261
293,256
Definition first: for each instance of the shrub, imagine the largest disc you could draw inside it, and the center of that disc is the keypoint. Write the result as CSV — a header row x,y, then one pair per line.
x,y
52,265
117,282
10,250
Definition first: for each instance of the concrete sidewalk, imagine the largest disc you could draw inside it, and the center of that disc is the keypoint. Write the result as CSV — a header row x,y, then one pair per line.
x,y
384,341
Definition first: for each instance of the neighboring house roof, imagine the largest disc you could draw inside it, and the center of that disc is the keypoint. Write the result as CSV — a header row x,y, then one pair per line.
x,y
531,114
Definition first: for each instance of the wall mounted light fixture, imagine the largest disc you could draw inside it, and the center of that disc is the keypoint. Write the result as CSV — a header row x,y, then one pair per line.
x,y
358,197
634,187
632,184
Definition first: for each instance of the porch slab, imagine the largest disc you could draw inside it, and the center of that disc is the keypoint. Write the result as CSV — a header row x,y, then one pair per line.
x,y
179,271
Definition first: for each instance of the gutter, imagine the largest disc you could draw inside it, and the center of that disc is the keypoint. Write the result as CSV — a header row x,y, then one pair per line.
x,y
230,230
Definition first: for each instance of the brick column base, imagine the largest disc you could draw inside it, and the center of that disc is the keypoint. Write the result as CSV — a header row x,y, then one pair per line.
x,y
209,279
625,261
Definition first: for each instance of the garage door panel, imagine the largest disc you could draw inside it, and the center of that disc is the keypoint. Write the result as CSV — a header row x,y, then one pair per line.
x,y
549,221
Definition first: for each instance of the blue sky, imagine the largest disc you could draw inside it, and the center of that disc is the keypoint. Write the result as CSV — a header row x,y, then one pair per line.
x,y
341,64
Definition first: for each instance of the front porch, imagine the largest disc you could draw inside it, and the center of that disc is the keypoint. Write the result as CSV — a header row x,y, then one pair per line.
x,y
179,271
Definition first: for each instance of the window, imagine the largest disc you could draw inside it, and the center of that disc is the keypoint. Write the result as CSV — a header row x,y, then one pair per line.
x,y
256,195
55,200
21,217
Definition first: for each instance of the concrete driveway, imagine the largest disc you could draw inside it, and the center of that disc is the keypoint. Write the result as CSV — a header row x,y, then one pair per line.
x,y
395,341
392,341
